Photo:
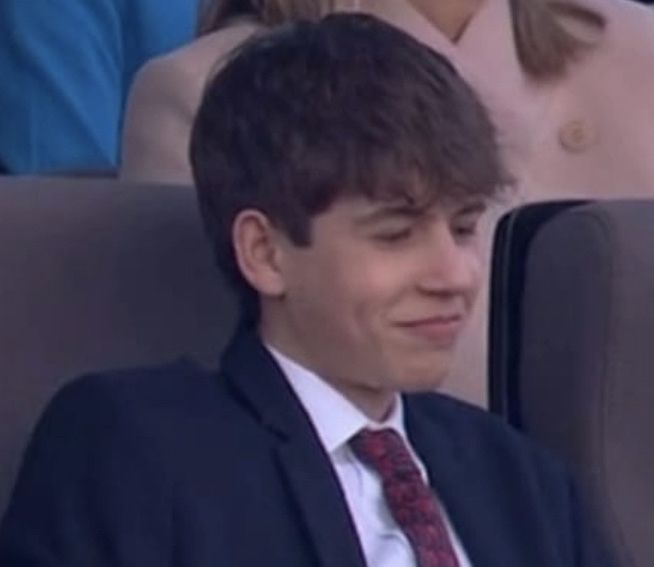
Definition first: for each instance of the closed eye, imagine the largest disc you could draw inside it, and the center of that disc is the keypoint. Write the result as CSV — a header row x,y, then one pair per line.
x,y
465,224
466,228
392,236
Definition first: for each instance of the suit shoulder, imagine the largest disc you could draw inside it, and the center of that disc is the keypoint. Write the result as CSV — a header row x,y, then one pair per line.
x,y
454,412
161,375
483,436
137,394
151,412
98,458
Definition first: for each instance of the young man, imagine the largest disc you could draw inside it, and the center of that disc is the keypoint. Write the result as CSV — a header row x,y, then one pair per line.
x,y
342,169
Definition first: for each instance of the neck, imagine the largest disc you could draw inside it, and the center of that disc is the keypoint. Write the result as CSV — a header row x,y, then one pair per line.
x,y
450,16
374,403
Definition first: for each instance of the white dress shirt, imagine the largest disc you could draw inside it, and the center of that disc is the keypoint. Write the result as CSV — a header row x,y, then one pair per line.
x,y
336,420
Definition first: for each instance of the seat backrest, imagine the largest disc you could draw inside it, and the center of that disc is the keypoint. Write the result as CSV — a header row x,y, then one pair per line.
x,y
513,237
96,274
572,355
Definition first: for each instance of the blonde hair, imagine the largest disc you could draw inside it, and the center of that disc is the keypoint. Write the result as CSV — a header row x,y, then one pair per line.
x,y
544,39
215,14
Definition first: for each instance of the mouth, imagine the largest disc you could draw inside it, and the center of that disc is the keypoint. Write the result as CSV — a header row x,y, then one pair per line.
x,y
439,330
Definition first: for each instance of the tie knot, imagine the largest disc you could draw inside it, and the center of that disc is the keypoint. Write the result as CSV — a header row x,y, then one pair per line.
x,y
386,452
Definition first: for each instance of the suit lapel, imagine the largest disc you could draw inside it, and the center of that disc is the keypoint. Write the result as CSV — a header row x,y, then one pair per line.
x,y
305,467
459,487
322,506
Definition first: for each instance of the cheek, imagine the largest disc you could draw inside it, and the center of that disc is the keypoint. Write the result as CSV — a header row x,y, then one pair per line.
x,y
373,289
349,297
479,274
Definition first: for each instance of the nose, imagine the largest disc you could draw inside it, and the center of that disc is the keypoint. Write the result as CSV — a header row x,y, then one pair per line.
x,y
451,265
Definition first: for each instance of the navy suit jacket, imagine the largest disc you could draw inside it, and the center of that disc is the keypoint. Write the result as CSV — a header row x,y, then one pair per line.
x,y
179,466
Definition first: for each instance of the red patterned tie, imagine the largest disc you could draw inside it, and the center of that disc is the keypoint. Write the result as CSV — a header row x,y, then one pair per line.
x,y
409,499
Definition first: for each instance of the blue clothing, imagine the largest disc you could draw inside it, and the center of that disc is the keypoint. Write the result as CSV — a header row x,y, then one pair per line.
x,y
66,68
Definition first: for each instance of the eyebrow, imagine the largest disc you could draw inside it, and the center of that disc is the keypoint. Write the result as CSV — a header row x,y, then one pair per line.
x,y
475,207
412,211
389,211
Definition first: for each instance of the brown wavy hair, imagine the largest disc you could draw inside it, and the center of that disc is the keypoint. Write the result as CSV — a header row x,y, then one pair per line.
x,y
349,106
545,36
215,14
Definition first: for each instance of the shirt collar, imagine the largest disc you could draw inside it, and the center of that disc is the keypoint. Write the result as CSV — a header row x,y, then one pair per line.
x,y
334,417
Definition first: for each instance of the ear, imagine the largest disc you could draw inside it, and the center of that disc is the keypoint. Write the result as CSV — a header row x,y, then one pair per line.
x,y
257,248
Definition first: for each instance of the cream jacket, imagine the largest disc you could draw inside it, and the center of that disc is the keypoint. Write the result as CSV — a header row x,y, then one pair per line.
x,y
588,135
162,103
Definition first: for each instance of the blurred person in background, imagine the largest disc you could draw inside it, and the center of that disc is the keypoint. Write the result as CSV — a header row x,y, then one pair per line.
x,y
167,91
67,67
569,85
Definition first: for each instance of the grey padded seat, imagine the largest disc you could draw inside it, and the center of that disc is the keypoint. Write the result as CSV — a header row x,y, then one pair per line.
x,y
572,360
97,274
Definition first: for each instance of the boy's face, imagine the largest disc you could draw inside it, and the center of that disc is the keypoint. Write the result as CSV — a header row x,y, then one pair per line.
x,y
376,302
